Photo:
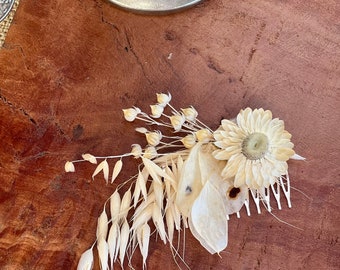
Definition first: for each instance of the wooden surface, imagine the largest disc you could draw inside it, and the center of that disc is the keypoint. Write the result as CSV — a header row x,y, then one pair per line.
x,y
67,69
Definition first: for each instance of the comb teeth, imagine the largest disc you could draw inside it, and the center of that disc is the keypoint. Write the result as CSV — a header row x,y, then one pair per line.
x,y
263,195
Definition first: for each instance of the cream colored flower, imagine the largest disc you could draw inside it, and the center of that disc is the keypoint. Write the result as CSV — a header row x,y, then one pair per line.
x,y
163,99
257,148
203,135
150,152
136,150
156,110
177,121
190,113
153,138
131,113
189,140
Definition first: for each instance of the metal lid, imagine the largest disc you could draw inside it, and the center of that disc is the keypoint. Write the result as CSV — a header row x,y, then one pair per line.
x,y
155,6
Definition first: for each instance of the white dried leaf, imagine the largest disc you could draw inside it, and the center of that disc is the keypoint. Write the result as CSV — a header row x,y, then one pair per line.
x,y
234,197
103,166
90,158
125,205
124,239
102,225
116,170
115,206
103,252
69,167
86,260
208,165
190,185
113,242
209,206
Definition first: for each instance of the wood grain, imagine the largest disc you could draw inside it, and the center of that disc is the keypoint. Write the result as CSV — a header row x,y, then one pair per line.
x,y
69,67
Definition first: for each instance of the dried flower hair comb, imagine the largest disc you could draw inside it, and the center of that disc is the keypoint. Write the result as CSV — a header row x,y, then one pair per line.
x,y
209,176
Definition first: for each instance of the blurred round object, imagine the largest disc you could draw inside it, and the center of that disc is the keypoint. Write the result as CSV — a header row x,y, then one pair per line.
x,y
155,6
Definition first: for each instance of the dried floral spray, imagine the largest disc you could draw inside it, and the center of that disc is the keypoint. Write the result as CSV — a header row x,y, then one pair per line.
x,y
190,176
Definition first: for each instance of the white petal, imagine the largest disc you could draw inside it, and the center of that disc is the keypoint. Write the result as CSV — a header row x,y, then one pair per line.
x,y
297,157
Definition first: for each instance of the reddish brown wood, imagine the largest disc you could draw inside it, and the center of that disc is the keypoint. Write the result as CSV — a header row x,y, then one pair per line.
x,y
69,67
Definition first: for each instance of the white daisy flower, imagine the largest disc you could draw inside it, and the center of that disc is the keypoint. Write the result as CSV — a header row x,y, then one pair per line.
x,y
257,148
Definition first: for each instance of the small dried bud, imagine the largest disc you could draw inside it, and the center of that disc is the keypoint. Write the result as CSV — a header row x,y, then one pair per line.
x,y
177,121
189,141
190,113
69,167
136,150
131,114
156,110
153,138
150,152
163,99
204,135
90,158
142,130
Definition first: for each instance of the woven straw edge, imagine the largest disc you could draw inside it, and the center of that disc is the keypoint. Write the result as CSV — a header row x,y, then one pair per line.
x,y
6,23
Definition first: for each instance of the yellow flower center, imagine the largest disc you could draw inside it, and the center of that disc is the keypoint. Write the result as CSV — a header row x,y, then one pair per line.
x,y
255,146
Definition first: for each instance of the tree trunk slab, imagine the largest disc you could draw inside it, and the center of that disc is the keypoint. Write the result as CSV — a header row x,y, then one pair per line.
x,y
68,68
